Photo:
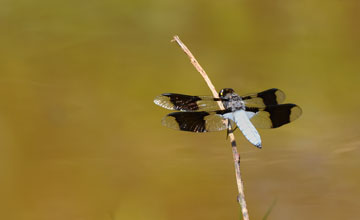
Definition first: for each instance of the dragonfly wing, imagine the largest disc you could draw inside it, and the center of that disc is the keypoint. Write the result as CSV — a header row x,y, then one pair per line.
x,y
273,116
180,102
194,121
264,98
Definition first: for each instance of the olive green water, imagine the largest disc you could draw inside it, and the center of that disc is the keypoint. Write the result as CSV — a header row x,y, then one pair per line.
x,y
80,137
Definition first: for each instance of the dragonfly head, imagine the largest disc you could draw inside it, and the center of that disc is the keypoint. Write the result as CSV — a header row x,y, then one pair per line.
x,y
226,93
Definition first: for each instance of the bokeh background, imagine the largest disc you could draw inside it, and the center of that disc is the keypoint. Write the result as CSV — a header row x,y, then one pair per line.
x,y
80,137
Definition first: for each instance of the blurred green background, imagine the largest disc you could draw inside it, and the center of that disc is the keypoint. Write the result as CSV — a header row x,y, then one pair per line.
x,y
80,137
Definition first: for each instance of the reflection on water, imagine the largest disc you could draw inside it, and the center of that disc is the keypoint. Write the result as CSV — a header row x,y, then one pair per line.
x,y
80,137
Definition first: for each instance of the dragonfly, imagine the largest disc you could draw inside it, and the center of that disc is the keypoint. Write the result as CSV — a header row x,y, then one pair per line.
x,y
248,112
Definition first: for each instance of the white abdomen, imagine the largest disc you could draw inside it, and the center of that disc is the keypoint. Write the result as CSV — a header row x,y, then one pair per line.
x,y
246,127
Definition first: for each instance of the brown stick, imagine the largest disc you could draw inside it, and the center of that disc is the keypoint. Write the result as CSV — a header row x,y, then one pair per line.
x,y
236,155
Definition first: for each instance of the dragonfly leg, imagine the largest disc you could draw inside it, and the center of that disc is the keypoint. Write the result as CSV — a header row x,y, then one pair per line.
x,y
230,130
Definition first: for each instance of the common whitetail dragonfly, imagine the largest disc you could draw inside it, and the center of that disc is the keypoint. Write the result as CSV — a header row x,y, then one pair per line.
x,y
202,113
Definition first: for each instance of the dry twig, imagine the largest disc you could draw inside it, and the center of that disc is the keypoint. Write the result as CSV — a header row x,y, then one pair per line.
x,y
236,155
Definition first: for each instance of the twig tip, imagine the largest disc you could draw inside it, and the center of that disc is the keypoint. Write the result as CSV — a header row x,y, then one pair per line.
x,y
175,38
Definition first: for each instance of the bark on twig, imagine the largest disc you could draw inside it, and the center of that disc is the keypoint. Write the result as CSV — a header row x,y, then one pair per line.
x,y
236,155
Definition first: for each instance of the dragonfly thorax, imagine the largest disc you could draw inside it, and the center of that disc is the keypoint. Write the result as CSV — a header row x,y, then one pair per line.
x,y
233,102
